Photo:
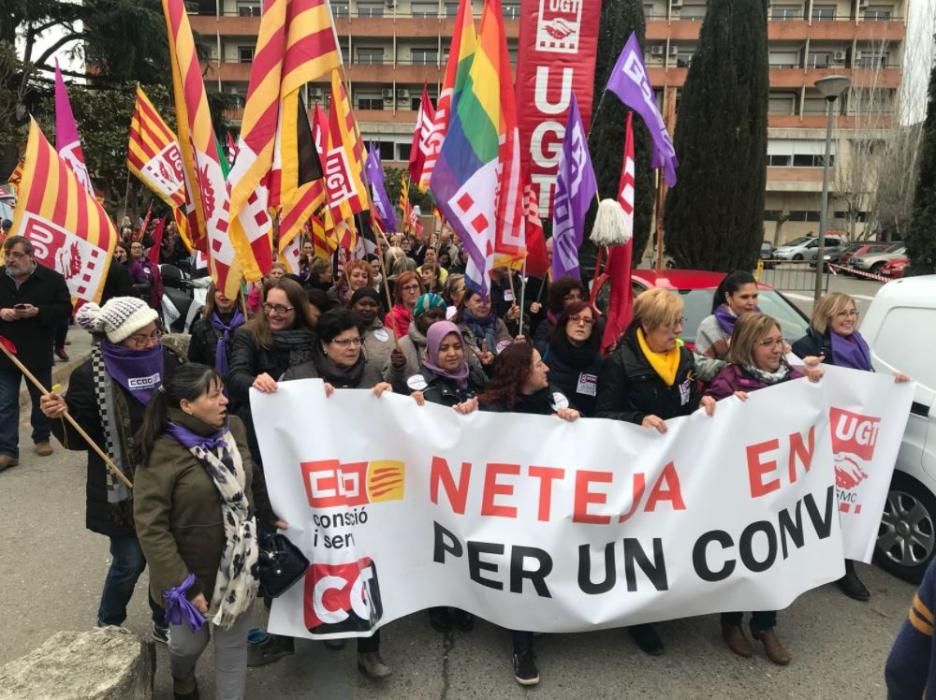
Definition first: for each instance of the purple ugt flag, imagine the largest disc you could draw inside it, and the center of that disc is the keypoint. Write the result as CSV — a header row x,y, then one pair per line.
x,y
629,81
575,190
373,171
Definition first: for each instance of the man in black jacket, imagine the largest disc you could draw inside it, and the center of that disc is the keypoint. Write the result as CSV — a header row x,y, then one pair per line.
x,y
34,301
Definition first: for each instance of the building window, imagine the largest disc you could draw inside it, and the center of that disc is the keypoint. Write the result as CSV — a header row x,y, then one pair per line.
x,y
370,9
341,9
424,57
403,150
877,13
425,9
870,59
451,9
821,59
648,11
823,13
786,12
692,11
248,9
245,54
811,161
804,215
779,161
370,55
781,103
511,10
772,215
365,99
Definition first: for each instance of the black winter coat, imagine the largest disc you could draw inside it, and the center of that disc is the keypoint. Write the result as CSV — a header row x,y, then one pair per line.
x,y
247,360
579,384
204,342
542,403
118,282
814,343
33,337
445,391
83,405
629,389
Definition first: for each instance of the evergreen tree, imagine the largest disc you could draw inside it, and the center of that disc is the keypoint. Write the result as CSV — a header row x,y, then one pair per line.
x,y
921,237
619,18
714,217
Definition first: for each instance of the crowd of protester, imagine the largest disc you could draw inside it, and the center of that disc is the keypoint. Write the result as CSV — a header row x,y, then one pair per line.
x,y
404,322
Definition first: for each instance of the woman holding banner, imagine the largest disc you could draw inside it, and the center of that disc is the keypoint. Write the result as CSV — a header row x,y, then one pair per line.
x,y
520,384
755,360
195,496
213,332
573,356
833,336
649,378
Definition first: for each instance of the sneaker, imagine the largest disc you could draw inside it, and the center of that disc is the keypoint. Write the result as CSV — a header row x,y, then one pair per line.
x,y
61,354
525,671
160,634
372,665
43,449
7,461
271,649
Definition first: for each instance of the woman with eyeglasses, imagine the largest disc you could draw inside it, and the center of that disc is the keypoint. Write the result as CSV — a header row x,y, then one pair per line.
x,y
736,295
559,294
408,289
574,358
339,361
649,378
213,331
756,360
833,337
107,395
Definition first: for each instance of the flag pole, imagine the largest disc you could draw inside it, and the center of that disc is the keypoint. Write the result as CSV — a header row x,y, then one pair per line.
x,y
386,283
522,295
66,416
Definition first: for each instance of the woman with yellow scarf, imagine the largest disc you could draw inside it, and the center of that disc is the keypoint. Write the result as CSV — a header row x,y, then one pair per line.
x,y
649,378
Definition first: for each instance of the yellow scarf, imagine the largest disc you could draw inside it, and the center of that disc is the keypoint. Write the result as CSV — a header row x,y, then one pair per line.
x,y
665,364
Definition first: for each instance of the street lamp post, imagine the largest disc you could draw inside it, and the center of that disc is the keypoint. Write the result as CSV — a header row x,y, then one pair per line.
x,y
830,87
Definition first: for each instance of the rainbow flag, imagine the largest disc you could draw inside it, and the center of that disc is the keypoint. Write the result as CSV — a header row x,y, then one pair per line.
x,y
69,228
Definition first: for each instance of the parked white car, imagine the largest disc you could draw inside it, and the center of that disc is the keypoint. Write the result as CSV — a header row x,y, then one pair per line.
x,y
900,327
804,248
874,261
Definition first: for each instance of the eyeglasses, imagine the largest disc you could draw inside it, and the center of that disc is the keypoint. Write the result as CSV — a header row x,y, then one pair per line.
x,y
681,321
587,320
143,339
771,342
277,309
411,288
348,342
850,313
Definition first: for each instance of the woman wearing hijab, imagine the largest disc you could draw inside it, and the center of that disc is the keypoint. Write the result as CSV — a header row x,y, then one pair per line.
x,y
755,360
736,295
107,395
482,330
408,289
648,379
196,494
213,332
573,357
378,343
833,336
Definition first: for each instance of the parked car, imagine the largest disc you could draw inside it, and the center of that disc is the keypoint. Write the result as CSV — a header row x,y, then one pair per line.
x,y
900,327
803,247
697,287
840,256
766,250
895,268
874,261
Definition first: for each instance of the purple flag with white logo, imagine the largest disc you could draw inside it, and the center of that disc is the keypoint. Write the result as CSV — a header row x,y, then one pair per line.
x,y
575,190
373,171
629,81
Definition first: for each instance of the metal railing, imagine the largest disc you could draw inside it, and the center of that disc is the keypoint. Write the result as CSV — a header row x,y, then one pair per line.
x,y
790,275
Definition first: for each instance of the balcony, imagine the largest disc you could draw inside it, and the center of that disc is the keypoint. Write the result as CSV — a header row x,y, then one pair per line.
x,y
790,29
791,76
818,121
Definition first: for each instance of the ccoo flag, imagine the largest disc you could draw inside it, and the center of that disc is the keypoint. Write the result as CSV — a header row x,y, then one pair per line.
x,y
69,228
575,190
67,140
382,209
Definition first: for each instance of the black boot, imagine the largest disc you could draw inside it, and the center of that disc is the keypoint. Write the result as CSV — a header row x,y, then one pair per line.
x,y
440,620
647,639
851,585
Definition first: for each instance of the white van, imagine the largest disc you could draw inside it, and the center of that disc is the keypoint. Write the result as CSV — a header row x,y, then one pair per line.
x,y
900,327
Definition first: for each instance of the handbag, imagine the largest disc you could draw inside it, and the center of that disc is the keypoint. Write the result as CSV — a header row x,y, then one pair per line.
x,y
280,563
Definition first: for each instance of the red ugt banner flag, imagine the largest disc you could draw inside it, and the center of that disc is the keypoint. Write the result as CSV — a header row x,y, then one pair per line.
x,y
558,43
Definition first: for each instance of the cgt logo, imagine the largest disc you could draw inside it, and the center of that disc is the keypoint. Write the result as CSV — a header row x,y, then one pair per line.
x,y
853,439
342,597
330,484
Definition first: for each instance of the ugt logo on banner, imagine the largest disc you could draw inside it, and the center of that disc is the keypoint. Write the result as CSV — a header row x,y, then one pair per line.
x,y
853,439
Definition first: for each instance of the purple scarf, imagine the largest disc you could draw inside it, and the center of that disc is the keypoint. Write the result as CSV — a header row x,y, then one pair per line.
x,y
189,439
224,336
850,351
727,319
140,372
434,337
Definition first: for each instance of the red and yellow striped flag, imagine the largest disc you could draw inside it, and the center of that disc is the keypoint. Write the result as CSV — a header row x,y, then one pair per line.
x,y
344,159
70,231
154,156
324,241
202,167
17,175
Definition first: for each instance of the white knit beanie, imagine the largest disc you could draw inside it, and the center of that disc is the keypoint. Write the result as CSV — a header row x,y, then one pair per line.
x,y
118,319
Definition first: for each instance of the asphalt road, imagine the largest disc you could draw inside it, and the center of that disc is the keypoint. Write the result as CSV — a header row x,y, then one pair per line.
x,y
52,569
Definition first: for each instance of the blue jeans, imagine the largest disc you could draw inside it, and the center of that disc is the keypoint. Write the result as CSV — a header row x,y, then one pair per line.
x,y
10,380
127,563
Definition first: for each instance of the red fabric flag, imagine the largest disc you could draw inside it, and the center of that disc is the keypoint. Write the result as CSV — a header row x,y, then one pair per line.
x,y
422,132
537,261
153,252
628,170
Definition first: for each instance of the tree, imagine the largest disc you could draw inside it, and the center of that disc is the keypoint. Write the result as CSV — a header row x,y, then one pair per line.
x,y
619,19
921,237
714,217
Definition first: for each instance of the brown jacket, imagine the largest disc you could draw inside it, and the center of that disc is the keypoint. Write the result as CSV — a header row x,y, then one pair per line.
x,y
177,510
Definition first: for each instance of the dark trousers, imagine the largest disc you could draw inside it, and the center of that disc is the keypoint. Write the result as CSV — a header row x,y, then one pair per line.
x,y
761,620
367,644
10,381
522,642
61,333
127,563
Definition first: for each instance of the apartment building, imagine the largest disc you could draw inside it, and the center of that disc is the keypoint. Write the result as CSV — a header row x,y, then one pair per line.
x,y
392,47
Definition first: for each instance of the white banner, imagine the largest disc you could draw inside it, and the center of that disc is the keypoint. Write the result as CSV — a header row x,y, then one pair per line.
x,y
868,415
537,524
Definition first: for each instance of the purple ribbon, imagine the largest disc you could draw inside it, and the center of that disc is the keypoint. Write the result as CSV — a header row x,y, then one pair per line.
x,y
179,609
